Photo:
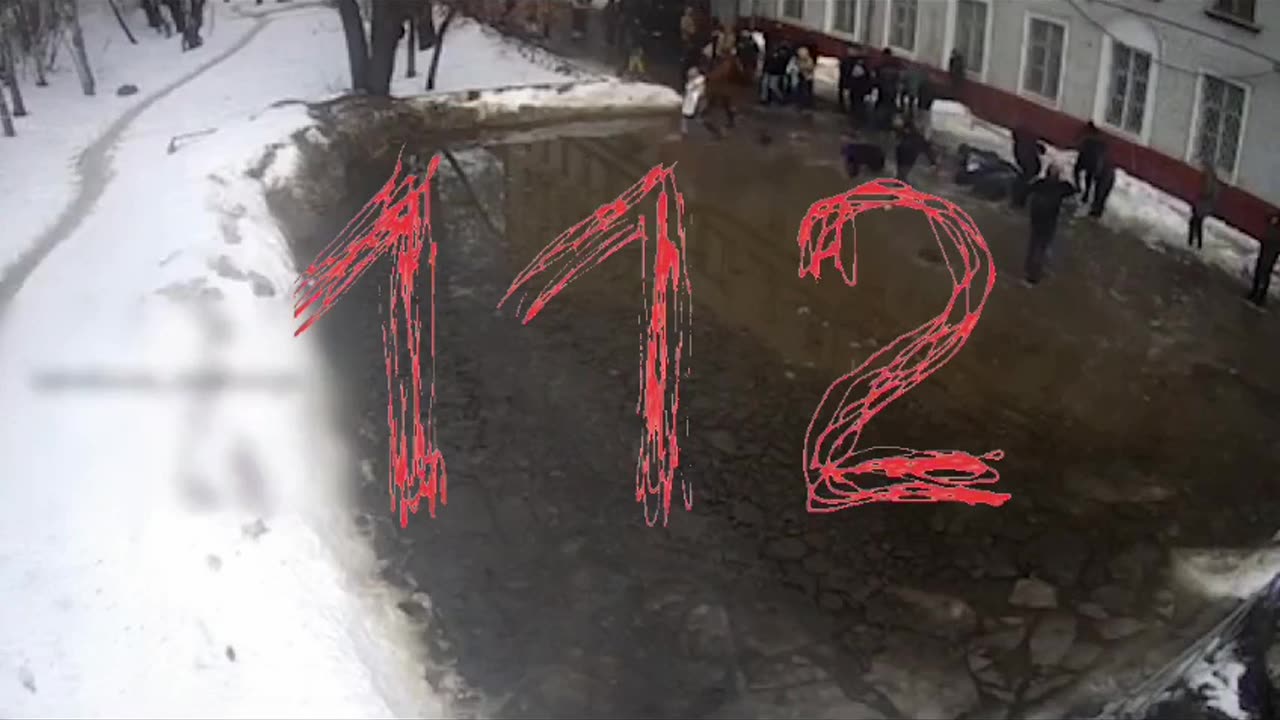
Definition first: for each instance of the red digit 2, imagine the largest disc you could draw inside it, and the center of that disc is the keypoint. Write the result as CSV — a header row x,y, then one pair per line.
x,y
589,243
832,463
397,221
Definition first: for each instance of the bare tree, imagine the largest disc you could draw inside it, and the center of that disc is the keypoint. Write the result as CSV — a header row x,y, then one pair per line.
x,y
9,61
372,56
77,44
357,45
435,53
6,120
411,47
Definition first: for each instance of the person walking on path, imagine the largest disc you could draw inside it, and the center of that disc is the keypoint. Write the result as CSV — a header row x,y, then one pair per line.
x,y
695,89
1045,197
1268,252
1204,205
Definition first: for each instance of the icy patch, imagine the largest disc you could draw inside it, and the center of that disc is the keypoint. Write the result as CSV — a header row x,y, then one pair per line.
x,y
1225,572
612,94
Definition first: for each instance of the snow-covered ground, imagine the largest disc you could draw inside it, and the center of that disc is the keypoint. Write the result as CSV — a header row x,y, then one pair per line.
x,y
168,548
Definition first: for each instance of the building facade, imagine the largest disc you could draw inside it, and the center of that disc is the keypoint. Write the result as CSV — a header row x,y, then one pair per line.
x,y
1175,83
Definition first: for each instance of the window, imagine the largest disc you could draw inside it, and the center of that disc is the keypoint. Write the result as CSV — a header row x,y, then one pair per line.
x,y
1220,123
1242,10
845,17
902,24
1130,78
971,33
1046,42
793,9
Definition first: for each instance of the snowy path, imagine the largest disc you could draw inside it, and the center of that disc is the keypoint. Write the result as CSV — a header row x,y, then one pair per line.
x,y
94,168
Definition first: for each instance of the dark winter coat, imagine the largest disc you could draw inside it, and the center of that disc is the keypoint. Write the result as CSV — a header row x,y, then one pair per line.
x,y
1045,200
1207,198
1091,150
859,155
1027,150
910,147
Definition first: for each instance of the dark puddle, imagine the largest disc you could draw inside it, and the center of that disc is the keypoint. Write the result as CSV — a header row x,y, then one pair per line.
x,y
554,598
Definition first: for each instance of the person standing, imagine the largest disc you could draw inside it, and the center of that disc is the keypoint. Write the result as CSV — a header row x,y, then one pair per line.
x,y
1103,182
775,68
912,80
805,68
1204,205
694,89
1027,150
911,145
1268,252
1089,153
1045,197
888,79
957,71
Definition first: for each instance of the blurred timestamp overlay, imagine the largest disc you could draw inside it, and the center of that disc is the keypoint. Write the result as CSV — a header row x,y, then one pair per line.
x,y
199,380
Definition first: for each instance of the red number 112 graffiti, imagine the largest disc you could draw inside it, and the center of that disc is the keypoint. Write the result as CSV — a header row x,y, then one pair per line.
x,y
397,221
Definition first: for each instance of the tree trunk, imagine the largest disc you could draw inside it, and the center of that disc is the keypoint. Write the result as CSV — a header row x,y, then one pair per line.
x,y
426,25
34,36
9,60
357,46
435,54
77,44
6,122
384,35
411,48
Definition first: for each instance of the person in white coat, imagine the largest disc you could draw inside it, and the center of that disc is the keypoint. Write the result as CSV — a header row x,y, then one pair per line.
x,y
695,88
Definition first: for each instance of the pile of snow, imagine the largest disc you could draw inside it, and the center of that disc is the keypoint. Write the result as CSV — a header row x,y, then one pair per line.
x,y
610,93
168,548
1135,206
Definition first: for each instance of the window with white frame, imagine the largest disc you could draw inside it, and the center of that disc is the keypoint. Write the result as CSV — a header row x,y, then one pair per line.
x,y
793,9
1242,10
1220,123
845,15
903,15
971,33
1045,46
1127,94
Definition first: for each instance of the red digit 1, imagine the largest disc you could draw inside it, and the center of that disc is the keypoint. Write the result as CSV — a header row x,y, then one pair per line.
x,y
832,464
398,221
591,242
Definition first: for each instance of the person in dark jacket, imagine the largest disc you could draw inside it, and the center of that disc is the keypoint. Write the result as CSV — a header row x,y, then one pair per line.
x,y
1027,150
911,145
844,85
888,82
1268,252
1089,153
859,84
1045,197
956,70
858,155
1104,181
775,69
1204,205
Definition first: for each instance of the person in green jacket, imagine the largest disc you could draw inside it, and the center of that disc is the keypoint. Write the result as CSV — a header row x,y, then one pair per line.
x,y
1204,205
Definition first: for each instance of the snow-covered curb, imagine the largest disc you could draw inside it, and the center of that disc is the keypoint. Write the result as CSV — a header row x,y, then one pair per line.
x,y
1135,207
